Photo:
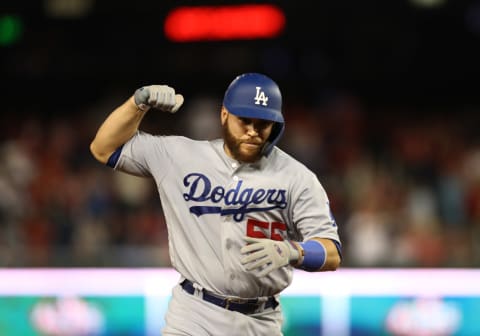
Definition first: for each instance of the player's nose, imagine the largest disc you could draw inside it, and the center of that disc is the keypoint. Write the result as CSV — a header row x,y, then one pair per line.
x,y
252,131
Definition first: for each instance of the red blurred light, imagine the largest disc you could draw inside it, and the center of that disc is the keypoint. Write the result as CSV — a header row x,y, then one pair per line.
x,y
210,23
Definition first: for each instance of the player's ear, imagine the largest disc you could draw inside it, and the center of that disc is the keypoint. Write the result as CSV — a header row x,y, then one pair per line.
x,y
223,115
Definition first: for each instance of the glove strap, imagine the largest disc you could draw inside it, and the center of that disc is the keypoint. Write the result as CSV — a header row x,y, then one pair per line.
x,y
296,253
141,98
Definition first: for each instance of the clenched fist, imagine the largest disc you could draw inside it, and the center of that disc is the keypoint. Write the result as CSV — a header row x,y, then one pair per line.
x,y
161,97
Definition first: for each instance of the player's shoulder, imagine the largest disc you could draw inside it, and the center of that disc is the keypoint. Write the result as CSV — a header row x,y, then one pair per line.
x,y
291,169
287,163
170,143
183,140
175,140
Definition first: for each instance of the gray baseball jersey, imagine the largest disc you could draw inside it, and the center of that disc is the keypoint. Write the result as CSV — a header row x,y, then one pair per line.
x,y
211,202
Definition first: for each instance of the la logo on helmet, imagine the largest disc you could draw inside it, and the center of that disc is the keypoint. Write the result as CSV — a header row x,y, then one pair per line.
x,y
260,97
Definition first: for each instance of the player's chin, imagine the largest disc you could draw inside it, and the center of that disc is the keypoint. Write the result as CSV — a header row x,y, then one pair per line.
x,y
249,154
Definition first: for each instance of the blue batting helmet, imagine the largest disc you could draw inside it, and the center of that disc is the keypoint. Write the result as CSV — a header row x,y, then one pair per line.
x,y
253,95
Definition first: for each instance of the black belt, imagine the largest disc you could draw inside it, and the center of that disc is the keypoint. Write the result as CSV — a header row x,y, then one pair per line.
x,y
244,306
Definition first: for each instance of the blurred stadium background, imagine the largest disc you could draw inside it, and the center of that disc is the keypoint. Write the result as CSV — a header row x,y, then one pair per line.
x,y
381,101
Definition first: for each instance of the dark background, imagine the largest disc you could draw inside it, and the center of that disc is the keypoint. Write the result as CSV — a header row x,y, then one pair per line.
x,y
384,52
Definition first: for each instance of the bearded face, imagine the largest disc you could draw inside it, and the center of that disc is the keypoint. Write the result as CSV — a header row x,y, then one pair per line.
x,y
244,137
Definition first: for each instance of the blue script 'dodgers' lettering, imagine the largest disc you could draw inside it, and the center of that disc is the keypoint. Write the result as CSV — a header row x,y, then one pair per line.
x,y
199,189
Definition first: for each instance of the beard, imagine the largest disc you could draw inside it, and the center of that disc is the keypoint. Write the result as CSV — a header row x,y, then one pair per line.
x,y
234,146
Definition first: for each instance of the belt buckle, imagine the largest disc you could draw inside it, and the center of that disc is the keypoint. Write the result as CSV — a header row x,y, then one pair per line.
x,y
230,300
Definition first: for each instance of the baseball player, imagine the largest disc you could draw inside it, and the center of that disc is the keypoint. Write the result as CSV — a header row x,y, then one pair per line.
x,y
240,212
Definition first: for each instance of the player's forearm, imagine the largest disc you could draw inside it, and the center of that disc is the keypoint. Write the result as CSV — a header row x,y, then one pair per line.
x,y
116,130
332,261
317,255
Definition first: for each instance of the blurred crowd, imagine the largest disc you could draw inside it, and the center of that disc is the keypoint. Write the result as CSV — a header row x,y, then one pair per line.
x,y
404,186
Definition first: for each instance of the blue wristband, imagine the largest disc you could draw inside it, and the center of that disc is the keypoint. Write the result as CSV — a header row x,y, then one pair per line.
x,y
314,257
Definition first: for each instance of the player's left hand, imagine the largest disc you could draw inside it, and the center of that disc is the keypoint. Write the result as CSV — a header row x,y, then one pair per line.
x,y
266,255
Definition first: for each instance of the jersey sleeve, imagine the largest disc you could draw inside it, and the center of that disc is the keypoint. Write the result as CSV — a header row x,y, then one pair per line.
x,y
135,157
311,211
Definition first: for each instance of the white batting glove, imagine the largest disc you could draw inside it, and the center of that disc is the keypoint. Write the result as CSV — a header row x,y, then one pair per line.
x,y
266,255
161,97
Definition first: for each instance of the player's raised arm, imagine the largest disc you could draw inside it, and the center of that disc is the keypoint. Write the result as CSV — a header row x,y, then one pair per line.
x,y
124,121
